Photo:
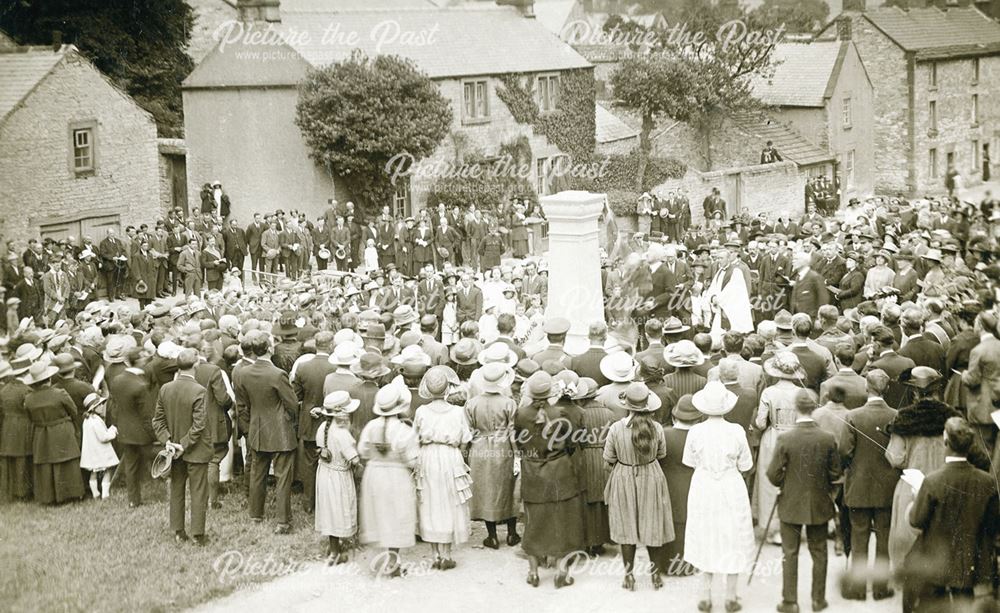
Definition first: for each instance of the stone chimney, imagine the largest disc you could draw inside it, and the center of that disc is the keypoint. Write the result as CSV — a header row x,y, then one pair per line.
x,y
844,27
525,7
57,41
268,11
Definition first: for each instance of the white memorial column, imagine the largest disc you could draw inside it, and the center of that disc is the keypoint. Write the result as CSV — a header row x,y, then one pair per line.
x,y
574,261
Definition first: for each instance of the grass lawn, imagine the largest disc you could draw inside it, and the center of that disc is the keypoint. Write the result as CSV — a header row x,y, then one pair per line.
x,y
103,556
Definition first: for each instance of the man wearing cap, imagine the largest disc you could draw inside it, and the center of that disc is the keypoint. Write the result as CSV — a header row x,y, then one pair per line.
x,y
179,423
308,378
555,329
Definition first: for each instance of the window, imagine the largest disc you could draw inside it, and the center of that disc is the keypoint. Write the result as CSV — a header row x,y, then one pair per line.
x,y
475,100
83,150
975,70
933,74
845,113
932,116
401,199
975,155
932,164
849,168
950,159
975,109
548,92
541,174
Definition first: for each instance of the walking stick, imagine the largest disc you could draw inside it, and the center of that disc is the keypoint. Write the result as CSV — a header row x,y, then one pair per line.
x,y
763,539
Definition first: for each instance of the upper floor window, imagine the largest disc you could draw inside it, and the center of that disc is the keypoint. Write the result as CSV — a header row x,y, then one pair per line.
x,y
83,148
932,116
975,109
933,74
475,100
845,113
548,92
975,70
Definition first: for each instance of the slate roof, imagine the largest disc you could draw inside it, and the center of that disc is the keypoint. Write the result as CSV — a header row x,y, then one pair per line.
x,y
21,70
789,143
935,34
451,42
804,74
610,128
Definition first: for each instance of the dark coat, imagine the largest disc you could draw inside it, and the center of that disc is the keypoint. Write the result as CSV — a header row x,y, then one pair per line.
x,y
52,413
745,408
308,384
17,430
31,298
677,473
853,383
871,480
893,364
253,234
852,286
469,306
924,352
267,406
236,242
134,413
218,424
808,294
805,466
588,364
179,417
142,267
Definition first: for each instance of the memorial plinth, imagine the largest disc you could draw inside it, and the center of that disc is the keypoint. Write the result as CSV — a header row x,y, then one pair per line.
x,y
574,261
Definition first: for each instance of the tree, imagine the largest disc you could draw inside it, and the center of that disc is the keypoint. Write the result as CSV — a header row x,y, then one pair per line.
x,y
362,116
701,71
139,44
799,16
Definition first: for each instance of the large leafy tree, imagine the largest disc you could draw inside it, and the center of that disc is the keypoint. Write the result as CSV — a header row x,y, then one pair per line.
x,y
139,44
362,115
799,16
700,74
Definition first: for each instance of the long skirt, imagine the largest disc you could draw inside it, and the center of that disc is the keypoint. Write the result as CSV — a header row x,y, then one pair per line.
x,y
336,502
443,491
767,492
902,535
491,466
388,505
719,532
553,528
55,483
639,505
15,478
672,559
596,529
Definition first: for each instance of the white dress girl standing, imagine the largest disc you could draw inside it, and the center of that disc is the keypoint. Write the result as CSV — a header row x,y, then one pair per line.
x,y
97,455
336,497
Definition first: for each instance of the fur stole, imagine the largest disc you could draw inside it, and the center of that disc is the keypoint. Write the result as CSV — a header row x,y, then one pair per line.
x,y
926,417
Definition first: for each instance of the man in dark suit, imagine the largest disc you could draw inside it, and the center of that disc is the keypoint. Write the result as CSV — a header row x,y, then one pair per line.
x,y
130,392
831,266
956,513
854,385
505,328
805,466
811,361
114,263
469,301
588,363
556,329
253,233
179,423
884,358
236,244
267,409
307,380
669,280
916,346
808,289
430,295
218,425
868,488
654,344
746,399
29,291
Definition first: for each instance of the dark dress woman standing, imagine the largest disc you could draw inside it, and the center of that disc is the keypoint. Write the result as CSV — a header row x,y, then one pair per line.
x,y
16,432
550,489
594,472
678,482
55,448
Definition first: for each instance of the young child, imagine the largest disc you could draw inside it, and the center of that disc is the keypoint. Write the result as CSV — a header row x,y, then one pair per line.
x,y
336,496
371,255
97,455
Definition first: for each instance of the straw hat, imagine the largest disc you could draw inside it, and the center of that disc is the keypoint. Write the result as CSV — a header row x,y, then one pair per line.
x,y
538,386
370,366
65,363
345,354
920,377
674,325
436,382
618,367
404,315
339,402
92,401
412,353
714,399
638,399
39,372
392,399
586,388
524,369
785,365
683,353
118,345
498,352
496,377
168,350
464,352
346,335
161,464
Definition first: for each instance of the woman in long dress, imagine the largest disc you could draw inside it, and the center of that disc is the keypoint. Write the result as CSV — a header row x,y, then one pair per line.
x,y
719,533
444,485
546,430
879,276
597,419
678,475
775,414
388,490
638,501
491,455
336,498
17,431
55,450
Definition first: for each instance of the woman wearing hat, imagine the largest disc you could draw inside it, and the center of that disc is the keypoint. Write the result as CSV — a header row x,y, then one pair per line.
x,y
336,498
16,433
546,431
718,536
491,455
463,357
370,369
443,478
776,414
619,368
678,476
852,284
497,353
597,418
879,276
636,492
55,450
388,509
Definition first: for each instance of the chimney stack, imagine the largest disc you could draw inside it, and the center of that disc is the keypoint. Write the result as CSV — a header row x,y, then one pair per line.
x,y
525,7
57,41
844,27
250,11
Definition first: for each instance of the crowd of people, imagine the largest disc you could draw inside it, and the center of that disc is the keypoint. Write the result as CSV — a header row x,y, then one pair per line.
x,y
752,376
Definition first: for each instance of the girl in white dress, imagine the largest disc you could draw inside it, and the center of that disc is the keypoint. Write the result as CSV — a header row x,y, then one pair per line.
x,y
719,532
336,498
97,455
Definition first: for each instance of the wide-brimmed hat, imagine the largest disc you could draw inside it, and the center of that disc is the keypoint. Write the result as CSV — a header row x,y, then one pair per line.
x,y
376,331
920,377
714,399
586,388
29,352
464,352
116,348
370,366
404,315
619,367
345,354
65,363
436,382
783,320
337,403
637,398
933,254
538,386
672,325
685,410
412,353
92,401
683,354
556,325
40,371
498,352
161,464
496,377
286,324
785,365
524,369
392,399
